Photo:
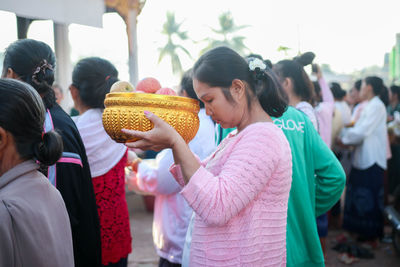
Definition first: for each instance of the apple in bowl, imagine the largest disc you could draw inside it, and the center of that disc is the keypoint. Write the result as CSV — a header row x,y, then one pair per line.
x,y
122,87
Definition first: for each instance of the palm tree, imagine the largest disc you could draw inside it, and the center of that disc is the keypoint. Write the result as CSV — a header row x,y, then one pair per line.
x,y
171,29
229,38
284,49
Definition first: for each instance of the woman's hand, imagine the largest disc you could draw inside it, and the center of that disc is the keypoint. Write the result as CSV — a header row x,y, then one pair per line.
x,y
160,137
339,143
317,71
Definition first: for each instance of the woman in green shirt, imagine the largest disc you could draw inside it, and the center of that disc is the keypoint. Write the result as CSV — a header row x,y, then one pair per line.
x,y
317,183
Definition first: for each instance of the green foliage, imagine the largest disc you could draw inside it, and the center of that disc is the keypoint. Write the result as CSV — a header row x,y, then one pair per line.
x,y
173,48
283,49
227,32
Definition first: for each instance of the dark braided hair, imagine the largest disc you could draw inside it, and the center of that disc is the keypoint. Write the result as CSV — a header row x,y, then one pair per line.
x,y
34,63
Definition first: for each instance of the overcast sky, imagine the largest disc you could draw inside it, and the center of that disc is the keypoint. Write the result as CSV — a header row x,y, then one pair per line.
x,y
348,35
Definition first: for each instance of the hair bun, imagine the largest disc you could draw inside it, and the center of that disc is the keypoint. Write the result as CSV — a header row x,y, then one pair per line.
x,y
305,59
337,90
268,63
48,151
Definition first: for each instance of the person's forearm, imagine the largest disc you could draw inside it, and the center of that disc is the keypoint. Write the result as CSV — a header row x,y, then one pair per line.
x,y
185,158
132,157
326,92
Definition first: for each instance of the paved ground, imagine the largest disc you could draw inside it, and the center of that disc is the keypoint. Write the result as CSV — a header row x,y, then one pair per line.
x,y
384,255
143,254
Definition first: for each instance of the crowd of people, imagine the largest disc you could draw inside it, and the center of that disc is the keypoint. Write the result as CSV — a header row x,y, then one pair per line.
x,y
257,186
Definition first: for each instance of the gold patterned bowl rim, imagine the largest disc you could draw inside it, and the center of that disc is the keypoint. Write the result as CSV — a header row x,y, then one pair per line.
x,y
145,96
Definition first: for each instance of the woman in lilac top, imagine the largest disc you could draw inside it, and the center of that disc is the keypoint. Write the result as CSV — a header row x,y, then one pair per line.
x,y
325,107
240,193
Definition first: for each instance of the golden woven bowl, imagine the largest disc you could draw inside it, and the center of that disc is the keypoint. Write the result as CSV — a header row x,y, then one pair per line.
x,y
125,111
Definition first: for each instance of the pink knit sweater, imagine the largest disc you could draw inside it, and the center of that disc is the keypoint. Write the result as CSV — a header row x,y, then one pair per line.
x,y
240,197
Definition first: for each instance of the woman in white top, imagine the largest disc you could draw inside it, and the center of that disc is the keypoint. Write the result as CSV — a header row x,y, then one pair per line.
x,y
363,214
171,211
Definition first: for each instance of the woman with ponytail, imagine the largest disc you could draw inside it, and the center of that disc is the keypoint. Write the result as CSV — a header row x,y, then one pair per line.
x,y
317,101
297,85
33,62
304,96
92,79
240,193
34,224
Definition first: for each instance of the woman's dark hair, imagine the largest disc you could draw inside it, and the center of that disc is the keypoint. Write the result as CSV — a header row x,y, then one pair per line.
x,y
305,59
376,84
337,91
34,62
187,86
384,96
395,90
22,114
357,85
303,87
93,77
220,66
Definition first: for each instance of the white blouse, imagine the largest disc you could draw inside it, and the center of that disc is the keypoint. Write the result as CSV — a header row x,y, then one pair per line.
x,y
345,111
369,134
103,153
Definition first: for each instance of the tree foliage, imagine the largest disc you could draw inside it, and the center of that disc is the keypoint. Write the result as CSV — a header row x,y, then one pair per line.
x,y
227,35
173,49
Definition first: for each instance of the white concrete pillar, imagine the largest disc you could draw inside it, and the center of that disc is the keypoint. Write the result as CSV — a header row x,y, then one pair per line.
x,y
131,23
63,64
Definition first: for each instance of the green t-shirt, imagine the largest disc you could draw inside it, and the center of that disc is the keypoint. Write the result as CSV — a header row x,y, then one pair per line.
x,y
221,133
391,110
318,180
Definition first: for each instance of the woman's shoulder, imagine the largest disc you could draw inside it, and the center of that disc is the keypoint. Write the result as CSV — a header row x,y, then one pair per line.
x,y
67,129
63,123
90,118
303,105
263,132
374,106
261,127
265,143
37,186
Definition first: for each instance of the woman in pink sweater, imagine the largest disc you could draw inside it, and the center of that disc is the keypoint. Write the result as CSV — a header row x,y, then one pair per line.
x,y
240,193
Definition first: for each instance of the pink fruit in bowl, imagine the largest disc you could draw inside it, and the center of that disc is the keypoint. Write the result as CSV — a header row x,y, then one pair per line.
x,y
148,85
166,91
